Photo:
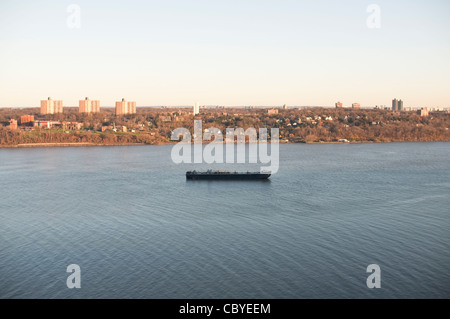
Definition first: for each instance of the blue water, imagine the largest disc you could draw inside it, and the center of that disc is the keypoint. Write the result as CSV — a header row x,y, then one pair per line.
x,y
138,229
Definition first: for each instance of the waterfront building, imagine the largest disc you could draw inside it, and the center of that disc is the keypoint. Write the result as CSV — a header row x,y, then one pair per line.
x,y
12,124
47,124
124,107
88,106
25,119
50,106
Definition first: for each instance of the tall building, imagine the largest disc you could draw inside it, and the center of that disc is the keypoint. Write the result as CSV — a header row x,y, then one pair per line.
x,y
397,105
89,106
356,105
394,105
50,106
338,104
196,109
124,107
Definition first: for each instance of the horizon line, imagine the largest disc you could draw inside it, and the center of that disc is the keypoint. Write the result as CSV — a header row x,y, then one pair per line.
x,y
380,107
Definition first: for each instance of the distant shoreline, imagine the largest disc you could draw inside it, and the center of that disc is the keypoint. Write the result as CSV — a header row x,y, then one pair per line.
x,y
155,127
43,145
37,145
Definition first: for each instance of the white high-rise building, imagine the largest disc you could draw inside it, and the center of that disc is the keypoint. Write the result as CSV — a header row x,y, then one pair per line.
x,y
196,108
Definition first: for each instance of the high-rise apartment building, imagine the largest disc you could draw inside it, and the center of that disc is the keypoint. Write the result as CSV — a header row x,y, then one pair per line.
x,y
356,105
50,106
400,105
394,105
397,105
89,106
124,107
338,104
196,109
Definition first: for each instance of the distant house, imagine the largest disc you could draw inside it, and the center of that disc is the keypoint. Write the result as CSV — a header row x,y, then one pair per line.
x,y
423,112
46,124
165,118
71,125
12,124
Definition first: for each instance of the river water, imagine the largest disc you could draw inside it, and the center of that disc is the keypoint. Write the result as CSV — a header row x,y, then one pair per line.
x,y
137,229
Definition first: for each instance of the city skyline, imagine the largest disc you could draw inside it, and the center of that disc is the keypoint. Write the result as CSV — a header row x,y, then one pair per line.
x,y
123,107
93,106
233,54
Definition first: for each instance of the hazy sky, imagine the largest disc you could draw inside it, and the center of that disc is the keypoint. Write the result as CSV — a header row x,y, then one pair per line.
x,y
173,52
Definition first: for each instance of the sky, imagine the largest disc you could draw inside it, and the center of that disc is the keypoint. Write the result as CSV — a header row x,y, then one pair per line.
x,y
231,53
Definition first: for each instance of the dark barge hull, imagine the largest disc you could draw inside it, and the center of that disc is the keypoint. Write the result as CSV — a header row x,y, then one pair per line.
x,y
227,176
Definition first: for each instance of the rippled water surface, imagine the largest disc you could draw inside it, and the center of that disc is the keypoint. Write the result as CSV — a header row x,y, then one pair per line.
x,y
138,229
